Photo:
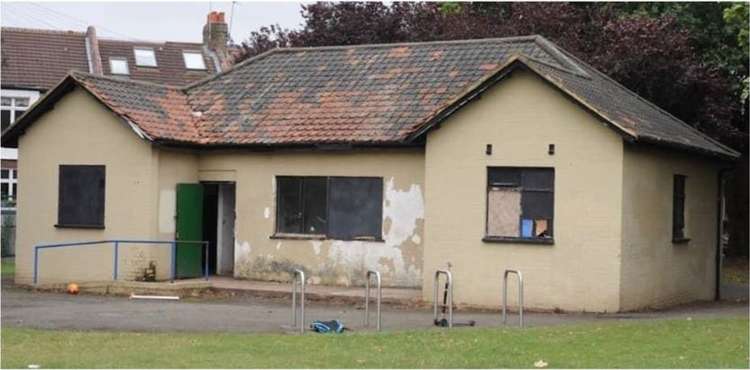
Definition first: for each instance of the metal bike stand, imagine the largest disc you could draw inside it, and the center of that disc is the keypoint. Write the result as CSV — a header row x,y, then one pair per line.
x,y
449,280
520,295
368,277
299,276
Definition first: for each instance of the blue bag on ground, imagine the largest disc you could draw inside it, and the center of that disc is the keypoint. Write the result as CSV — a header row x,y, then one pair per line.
x,y
333,326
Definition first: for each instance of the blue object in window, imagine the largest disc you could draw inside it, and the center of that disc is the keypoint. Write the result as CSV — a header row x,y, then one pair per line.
x,y
527,228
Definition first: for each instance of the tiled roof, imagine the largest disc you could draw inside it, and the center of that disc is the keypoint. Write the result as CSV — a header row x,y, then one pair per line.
x,y
39,59
376,95
170,67
158,111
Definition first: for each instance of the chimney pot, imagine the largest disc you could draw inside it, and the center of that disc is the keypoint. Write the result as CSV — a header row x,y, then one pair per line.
x,y
216,17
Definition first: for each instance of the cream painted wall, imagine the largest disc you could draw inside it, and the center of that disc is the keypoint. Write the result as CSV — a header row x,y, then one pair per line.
x,y
656,272
257,256
520,117
175,166
80,131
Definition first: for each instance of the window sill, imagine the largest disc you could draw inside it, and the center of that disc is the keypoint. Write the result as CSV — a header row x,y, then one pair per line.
x,y
298,236
320,237
680,240
65,226
510,239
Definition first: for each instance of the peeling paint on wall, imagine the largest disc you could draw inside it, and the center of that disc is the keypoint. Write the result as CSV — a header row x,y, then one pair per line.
x,y
242,249
402,209
316,246
326,261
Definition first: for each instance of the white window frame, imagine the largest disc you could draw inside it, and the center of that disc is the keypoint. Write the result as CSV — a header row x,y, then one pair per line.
x,y
11,180
119,59
33,95
146,49
13,107
194,52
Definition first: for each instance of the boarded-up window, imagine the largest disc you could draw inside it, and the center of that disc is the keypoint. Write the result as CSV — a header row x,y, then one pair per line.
x,y
345,208
520,202
678,209
81,196
355,208
504,208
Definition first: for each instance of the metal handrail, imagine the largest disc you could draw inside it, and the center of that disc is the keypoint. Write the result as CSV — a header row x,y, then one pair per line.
x,y
301,275
116,244
520,295
367,297
449,281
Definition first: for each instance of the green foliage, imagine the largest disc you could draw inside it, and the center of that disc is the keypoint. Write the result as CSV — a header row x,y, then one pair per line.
x,y
716,343
719,31
450,7
737,19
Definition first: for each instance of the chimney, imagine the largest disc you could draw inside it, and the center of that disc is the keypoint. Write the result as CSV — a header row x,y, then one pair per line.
x,y
216,32
92,52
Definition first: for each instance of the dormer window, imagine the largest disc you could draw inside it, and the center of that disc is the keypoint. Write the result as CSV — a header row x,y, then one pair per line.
x,y
194,60
145,57
118,66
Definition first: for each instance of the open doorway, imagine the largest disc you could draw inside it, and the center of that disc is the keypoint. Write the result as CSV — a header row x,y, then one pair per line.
x,y
218,226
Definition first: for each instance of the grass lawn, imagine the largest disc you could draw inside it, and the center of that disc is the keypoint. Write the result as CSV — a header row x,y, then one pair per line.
x,y
717,343
8,267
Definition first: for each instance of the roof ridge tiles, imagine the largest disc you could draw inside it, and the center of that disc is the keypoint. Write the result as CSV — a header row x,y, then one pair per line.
x,y
556,52
127,81
153,42
511,39
43,31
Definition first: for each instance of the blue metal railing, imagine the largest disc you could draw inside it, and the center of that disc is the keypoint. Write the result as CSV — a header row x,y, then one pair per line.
x,y
116,243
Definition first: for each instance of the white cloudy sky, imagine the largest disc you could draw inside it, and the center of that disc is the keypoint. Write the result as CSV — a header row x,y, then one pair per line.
x,y
173,21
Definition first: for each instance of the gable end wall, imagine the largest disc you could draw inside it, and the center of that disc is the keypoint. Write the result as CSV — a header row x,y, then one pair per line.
x,y
520,117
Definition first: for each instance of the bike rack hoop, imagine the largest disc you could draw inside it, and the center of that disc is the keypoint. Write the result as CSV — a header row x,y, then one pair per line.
x,y
368,276
520,295
436,283
299,276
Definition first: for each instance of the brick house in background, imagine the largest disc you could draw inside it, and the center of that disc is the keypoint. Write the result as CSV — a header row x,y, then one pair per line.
x,y
35,60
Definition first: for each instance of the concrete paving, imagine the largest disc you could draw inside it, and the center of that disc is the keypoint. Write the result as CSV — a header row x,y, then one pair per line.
x,y
44,310
389,294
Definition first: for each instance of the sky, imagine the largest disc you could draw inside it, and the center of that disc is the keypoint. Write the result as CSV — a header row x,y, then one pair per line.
x,y
156,21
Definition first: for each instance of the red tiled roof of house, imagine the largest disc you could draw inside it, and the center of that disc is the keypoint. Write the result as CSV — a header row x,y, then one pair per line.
x,y
38,59
170,67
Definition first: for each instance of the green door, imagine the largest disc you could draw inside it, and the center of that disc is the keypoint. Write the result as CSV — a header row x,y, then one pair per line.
x,y
189,228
